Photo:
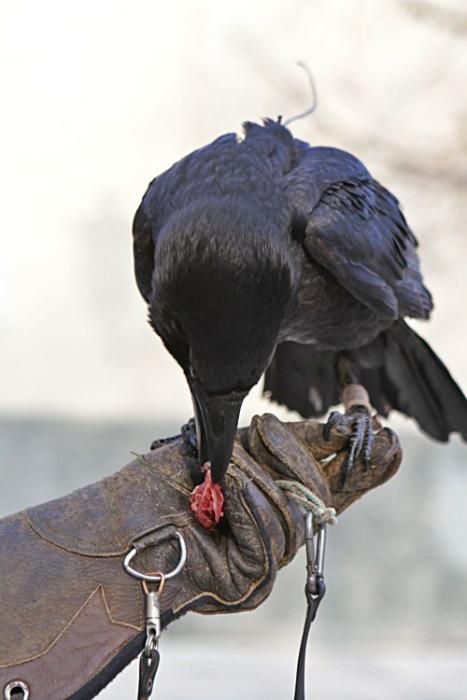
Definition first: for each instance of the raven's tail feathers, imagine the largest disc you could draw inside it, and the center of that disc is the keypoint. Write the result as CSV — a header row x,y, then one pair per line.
x,y
399,370
417,383
303,379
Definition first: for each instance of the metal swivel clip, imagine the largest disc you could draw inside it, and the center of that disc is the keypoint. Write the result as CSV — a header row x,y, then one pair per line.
x,y
149,659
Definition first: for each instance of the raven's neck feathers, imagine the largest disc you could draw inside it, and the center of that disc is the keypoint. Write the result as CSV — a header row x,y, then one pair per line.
x,y
224,277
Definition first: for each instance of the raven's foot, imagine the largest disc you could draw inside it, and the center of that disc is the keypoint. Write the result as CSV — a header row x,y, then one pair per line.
x,y
160,442
361,440
187,432
358,419
189,435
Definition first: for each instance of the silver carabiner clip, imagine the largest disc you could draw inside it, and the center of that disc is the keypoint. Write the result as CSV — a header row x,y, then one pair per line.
x,y
314,554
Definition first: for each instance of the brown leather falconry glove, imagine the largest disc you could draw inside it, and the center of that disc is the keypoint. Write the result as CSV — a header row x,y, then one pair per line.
x,y
72,617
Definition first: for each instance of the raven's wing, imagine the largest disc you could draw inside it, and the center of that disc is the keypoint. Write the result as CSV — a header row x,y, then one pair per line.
x,y
355,229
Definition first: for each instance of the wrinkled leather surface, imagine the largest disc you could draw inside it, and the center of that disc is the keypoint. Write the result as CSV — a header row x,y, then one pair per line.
x,y
69,608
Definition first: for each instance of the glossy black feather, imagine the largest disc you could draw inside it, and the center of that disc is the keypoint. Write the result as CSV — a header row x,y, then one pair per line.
x,y
267,251
399,370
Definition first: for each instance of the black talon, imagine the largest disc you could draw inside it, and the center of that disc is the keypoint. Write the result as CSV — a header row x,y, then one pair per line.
x,y
368,447
159,442
346,469
334,418
354,451
361,441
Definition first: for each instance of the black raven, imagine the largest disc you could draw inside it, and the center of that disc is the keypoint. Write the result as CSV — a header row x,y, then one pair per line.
x,y
263,253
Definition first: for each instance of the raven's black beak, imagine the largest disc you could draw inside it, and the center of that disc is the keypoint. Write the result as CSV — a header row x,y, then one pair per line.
x,y
216,424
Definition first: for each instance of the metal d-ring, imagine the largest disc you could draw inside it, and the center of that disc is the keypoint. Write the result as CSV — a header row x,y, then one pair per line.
x,y
155,578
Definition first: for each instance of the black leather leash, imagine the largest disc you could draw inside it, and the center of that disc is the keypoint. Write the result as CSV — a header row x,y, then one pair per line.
x,y
315,590
148,665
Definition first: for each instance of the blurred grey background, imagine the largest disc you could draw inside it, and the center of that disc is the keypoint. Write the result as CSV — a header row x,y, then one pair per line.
x,y
97,98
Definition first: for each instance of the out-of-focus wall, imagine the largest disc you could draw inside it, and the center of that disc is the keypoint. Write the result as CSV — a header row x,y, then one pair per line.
x,y
97,98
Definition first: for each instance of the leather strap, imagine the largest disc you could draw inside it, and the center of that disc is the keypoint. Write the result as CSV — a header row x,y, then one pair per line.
x,y
148,665
313,601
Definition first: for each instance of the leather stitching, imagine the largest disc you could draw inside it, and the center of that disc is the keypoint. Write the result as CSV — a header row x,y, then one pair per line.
x,y
99,589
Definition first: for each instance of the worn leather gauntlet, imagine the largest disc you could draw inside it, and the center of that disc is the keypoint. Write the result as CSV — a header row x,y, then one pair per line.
x,y
72,618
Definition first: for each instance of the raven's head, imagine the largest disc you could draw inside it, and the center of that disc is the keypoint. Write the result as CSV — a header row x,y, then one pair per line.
x,y
223,280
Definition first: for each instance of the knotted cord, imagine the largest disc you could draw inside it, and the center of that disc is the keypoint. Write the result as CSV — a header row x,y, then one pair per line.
x,y
322,514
